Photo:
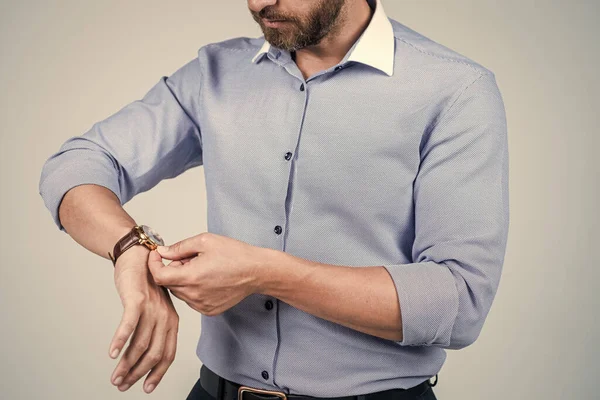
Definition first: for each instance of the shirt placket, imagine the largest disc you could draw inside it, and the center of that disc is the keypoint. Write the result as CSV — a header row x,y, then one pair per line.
x,y
300,93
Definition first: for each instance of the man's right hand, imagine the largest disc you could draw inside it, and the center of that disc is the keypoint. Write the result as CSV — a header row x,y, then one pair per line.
x,y
149,311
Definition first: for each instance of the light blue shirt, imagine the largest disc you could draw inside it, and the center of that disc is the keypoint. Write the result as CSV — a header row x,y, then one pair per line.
x,y
396,156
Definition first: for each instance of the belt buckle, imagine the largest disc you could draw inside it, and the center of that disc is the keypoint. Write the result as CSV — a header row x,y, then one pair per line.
x,y
243,389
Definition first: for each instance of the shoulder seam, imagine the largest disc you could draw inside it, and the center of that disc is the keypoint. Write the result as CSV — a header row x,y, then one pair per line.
x,y
456,98
479,70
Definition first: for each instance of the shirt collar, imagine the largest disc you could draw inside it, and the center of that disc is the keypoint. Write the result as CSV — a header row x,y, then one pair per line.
x,y
375,47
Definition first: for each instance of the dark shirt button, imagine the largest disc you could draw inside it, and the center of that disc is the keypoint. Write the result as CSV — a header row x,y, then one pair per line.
x,y
338,68
269,305
265,374
288,155
278,229
302,87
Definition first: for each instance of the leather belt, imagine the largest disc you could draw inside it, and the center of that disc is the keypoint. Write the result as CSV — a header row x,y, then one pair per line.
x,y
223,389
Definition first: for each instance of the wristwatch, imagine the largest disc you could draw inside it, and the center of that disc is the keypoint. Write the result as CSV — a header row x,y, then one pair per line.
x,y
139,234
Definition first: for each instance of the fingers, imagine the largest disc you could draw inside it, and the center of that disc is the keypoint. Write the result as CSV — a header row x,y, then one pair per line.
x,y
152,356
179,263
189,247
183,260
137,346
165,275
129,320
155,260
159,370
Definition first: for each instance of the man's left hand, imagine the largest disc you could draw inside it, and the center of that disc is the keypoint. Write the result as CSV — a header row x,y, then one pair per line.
x,y
210,272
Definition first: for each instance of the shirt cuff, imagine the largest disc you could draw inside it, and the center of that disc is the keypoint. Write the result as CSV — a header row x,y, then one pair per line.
x,y
75,172
428,300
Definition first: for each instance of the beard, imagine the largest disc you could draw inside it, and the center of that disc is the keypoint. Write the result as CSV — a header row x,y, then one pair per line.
x,y
299,32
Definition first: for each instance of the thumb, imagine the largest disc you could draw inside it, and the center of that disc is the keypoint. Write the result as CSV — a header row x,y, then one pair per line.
x,y
177,251
155,262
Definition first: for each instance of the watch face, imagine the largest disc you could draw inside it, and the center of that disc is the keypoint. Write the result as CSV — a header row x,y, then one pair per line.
x,y
152,235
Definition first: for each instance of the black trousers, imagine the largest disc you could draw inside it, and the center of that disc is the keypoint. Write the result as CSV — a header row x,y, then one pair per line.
x,y
198,393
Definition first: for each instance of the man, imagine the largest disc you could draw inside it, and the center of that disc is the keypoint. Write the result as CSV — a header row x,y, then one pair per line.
x,y
357,186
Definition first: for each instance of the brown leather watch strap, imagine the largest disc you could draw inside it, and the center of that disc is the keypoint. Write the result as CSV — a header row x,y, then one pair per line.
x,y
124,243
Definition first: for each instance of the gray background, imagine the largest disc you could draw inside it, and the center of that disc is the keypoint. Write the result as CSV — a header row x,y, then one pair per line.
x,y
67,64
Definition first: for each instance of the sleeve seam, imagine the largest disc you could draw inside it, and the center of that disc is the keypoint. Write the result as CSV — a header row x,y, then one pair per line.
x,y
165,79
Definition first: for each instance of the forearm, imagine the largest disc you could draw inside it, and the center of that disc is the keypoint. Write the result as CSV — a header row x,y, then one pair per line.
x,y
93,216
361,298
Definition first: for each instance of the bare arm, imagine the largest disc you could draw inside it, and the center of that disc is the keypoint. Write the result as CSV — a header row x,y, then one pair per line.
x,y
84,185
362,298
93,216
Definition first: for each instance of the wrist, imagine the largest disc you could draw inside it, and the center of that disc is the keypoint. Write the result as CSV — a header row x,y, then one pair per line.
x,y
138,235
269,270
135,256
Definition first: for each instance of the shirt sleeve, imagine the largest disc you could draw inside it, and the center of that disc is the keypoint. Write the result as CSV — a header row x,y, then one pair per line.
x,y
461,222
148,140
